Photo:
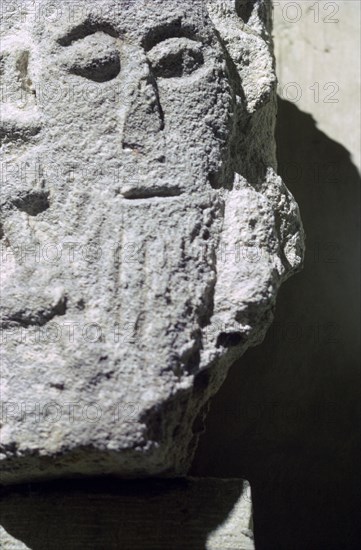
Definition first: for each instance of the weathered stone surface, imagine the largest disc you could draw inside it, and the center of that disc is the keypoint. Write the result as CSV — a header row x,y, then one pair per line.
x,y
210,514
145,233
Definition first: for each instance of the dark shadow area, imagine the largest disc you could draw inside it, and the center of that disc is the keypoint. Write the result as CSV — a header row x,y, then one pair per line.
x,y
112,514
287,417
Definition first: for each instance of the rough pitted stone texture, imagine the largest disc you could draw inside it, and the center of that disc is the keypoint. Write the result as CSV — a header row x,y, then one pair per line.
x,y
145,233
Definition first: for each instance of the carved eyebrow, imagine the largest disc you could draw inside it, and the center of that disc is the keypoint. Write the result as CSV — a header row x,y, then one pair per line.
x,y
85,29
175,29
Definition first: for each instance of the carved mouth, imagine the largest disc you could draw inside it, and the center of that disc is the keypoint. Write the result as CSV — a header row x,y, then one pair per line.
x,y
152,193
27,318
16,133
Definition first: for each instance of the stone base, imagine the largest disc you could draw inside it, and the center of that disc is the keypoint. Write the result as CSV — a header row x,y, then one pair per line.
x,y
191,513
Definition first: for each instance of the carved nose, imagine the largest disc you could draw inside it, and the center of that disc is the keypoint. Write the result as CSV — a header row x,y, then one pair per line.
x,y
144,119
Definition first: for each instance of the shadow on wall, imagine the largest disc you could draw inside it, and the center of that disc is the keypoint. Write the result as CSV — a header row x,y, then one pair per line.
x,y
287,416
114,515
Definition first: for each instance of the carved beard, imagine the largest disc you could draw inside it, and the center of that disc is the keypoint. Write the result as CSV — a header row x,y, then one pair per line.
x,y
165,277
144,273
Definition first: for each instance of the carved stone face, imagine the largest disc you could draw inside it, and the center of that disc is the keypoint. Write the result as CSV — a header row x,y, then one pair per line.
x,y
121,136
140,88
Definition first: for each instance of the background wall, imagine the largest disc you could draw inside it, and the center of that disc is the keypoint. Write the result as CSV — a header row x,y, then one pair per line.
x,y
287,418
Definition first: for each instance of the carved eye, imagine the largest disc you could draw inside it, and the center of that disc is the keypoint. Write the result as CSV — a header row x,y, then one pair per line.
x,y
176,57
99,70
95,57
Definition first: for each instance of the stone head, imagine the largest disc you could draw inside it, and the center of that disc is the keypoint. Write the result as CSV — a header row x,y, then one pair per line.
x,y
145,232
